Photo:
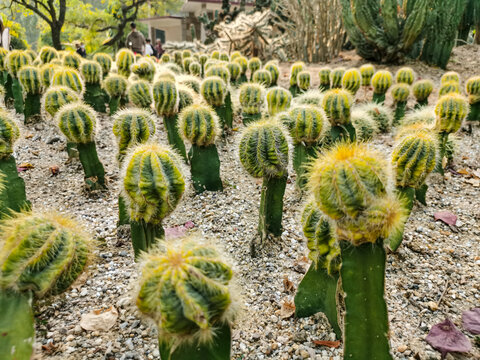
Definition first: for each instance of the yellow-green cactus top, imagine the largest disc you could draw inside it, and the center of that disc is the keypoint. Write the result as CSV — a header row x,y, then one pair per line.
x,y
199,124
405,75
381,81
450,111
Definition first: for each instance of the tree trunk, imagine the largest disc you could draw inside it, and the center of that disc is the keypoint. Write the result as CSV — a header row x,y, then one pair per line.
x,y
56,31
477,34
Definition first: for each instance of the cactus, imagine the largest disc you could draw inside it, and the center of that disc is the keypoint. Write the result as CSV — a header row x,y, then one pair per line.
x,y
294,70
251,98
400,94
337,103
405,75
224,57
219,70
278,100
235,55
324,75
381,82
243,62
177,58
423,116
262,77
214,91
105,62
263,152
144,69
40,255
46,73
57,96
352,80
274,71
450,111
15,60
317,292
72,60
365,126
367,72
413,159
310,97
68,77
199,125
191,81
195,68
78,122
254,64
186,64
140,94
186,97
307,127
166,99
303,81
12,196
381,114
186,54
31,82
124,60
473,91
215,55
47,54
5,78
153,186
195,314
226,114
450,76
421,90
350,186
94,94
116,88
235,71
165,58
336,77
449,87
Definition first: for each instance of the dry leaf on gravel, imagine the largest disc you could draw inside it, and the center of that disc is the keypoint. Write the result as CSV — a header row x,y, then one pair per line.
x,y
445,216
330,344
99,320
446,338
287,310
471,321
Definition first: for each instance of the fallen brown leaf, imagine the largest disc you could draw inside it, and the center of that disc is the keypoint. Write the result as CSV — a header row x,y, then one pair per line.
x,y
463,172
26,166
287,310
330,344
288,285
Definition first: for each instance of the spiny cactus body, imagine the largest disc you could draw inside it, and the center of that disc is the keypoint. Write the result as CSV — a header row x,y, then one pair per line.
x,y
57,96
105,62
294,71
254,64
421,90
116,88
219,70
16,59
405,75
310,97
400,94
324,76
262,77
251,98
46,73
47,54
214,91
381,82
94,94
337,104
140,94
68,77
191,81
144,69
72,60
336,77
303,81
450,76
367,72
278,100
381,114
274,71
364,124
473,91
124,60
195,68
30,79
352,80
243,62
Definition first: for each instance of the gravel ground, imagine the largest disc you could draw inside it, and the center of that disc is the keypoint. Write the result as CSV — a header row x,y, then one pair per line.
x,y
434,274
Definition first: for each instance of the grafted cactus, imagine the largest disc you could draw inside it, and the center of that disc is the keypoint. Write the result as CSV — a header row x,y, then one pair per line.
x,y
243,62
5,78
194,316
78,122
278,100
31,82
405,75
116,88
421,90
400,94
144,69
262,77
235,71
381,82
200,126
337,104
105,62
72,60
124,60
153,186
251,98
367,72
336,77
94,94
214,91
68,77
16,59
263,152
47,54
254,64
303,81
219,70
274,71
364,124
449,87
352,80
473,91
296,68
195,68
140,94
324,75
40,255
46,73
186,64
12,196
57,96
381,114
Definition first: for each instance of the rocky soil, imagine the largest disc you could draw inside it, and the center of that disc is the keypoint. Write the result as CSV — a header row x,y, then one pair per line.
x,y
434,275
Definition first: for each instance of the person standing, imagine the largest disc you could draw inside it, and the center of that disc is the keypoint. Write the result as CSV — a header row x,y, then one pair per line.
x,y
159,48
149,50
80,50
135,40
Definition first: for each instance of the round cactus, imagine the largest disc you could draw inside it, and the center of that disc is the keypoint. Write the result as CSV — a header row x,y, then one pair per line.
x,y
310,97
165,73
105,62
29,77
450,111
115,85
278,100
272,67
195,68
47,54
15,60
77,122
262,77
203,58
336,77
131,127
91,71
254,64
235,71
235,55
400,92
381,81
324,75
365,126
449,87
199,125
214,91
165,96
424,115
303,80
337,103
215,55
144,69
243,62
153,183
473,91
9,133
308,124
165,58
367,72
251,98
381,114
177,57
219,70
450,76
184,288
186,64
352,80
46,73
186,96
421,90
405,75
224,57
57,96
140,94
124,60
72,60
56,242
68,77
191,81
186,54
294,71
413,158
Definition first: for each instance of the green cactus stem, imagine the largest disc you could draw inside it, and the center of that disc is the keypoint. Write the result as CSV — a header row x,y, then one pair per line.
x,y
473,91
421,90
29,78
271,206
15,60
400,94
251,98
381,82
8,98
205,168
294,71
144,235
116,88
336,104
94,95
17,95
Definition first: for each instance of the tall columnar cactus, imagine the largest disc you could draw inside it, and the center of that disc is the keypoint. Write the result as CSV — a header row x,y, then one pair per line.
x,y
450,112
254,64
278,100
405,75
381,82
450,76
40,255
78,123
199,125
449,87
235,71
324,77
243,62
12,196
264,154
367,72
421,90
46,73
195,314
413,159
350,186
473,91
308,124
251,98
317,292
262,77
166,99
381,114
337,104
352,80
94,94
140,94
57,96
68,77
105,62
336,77
303,81
274,71
295,69
124,60
400,94
153,186
72,60
116,88
144,69
47,54
16,59
31,82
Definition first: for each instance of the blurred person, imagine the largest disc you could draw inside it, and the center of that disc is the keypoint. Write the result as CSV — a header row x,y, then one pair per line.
x,y
80,51
159,49
149,50
136,40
